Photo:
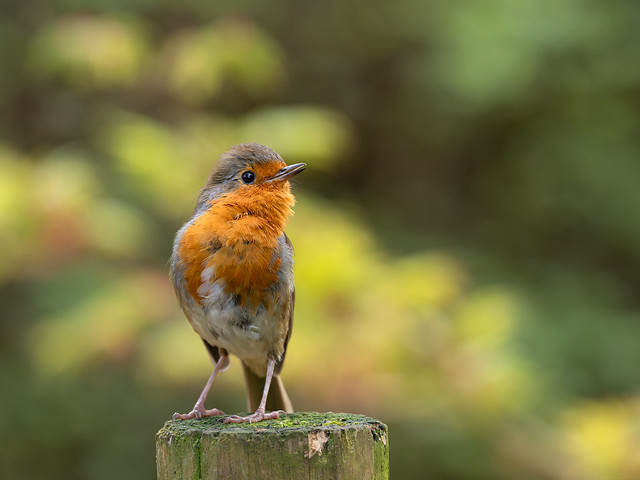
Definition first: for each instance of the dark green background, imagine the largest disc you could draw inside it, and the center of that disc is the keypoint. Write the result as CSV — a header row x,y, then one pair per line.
x,y
467,232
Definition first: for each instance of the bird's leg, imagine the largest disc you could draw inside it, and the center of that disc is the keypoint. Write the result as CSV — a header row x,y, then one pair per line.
x,y
198,410
260,413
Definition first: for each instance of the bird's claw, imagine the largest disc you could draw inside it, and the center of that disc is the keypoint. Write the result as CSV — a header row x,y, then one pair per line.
x,y
258,416
198,412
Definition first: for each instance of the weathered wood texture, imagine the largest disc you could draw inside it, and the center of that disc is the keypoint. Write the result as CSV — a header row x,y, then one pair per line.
x,y
296,446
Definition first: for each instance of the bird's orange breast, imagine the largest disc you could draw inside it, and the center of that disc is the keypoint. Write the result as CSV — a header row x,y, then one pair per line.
x,y
237,237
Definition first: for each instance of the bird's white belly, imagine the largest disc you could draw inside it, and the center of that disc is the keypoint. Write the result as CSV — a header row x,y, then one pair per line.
x,y
224,324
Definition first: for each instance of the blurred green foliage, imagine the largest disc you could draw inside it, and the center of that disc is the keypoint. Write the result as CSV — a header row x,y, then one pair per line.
x,y
467,233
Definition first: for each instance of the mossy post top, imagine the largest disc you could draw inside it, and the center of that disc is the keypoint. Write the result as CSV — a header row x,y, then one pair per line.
x,y
292,421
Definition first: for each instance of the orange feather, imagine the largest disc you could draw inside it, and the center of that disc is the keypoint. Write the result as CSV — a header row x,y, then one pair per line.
x,y
236,236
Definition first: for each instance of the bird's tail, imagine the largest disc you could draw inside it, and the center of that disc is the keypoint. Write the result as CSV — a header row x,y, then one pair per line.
x,y
277,398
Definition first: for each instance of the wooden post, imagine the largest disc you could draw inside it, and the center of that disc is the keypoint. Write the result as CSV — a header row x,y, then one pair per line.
x,y
297,446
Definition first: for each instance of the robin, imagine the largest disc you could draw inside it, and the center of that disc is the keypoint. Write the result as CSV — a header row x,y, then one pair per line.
x,y
232,271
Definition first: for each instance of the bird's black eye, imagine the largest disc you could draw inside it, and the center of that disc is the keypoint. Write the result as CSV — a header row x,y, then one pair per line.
x,y
248,176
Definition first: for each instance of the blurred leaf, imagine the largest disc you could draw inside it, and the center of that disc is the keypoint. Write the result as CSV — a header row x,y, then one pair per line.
x,y
173,353
200,60
487,317
65,180
16,210
492,52
334,252
604,437
427,279
89,51
150,157
103,325
116,228
303,133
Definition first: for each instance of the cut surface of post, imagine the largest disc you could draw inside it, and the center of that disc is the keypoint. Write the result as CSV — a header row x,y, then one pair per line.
x,y
303,445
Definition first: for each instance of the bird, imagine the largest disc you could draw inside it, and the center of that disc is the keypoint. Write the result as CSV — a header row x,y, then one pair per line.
x,y
232,272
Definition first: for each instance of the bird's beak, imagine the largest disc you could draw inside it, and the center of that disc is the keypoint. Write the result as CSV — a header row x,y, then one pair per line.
x,y
287,172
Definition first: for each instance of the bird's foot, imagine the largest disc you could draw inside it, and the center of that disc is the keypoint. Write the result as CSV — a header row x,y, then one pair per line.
x,y
198,412
258,416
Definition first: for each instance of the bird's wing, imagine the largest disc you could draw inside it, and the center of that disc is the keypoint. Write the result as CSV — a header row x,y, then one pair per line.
x,y
292,302
214,353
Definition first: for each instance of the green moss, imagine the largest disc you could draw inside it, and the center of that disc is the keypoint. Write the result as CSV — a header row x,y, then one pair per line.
x,y
298,420
333,422
185,452
381,451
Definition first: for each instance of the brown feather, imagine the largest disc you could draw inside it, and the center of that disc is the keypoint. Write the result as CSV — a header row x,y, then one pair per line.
x,y
278,399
